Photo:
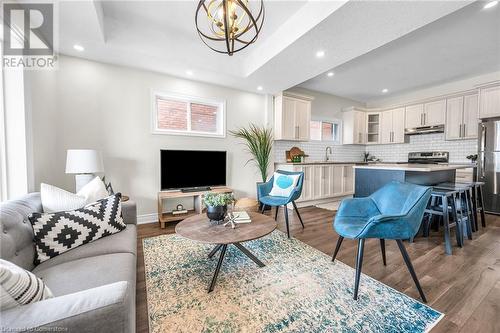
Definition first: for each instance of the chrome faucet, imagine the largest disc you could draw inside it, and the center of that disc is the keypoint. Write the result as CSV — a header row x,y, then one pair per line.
x,y
326,153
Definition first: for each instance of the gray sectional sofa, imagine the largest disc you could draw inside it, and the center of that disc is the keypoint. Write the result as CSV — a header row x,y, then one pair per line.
x,y
94,285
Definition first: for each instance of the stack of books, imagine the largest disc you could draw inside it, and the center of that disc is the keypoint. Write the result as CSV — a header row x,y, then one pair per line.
x,y
241,217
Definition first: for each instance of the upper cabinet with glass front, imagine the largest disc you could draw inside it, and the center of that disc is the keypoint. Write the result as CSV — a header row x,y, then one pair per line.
x,y
292,117
372,128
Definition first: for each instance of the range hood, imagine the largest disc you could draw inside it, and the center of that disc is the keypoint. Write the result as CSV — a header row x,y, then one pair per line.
x,y
424,130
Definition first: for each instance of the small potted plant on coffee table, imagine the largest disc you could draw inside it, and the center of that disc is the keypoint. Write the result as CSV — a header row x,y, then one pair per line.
x,y
216,204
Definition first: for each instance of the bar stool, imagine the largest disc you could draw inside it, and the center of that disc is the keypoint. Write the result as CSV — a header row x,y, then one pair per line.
x,y
441,203
464,206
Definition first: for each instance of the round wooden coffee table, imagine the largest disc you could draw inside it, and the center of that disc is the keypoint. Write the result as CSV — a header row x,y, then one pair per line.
x,y
200,229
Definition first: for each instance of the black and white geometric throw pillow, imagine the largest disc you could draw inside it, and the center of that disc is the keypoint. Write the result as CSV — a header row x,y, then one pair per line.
x,y
56,233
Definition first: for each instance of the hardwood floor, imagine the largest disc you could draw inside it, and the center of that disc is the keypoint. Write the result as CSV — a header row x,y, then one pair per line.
x,y
464,286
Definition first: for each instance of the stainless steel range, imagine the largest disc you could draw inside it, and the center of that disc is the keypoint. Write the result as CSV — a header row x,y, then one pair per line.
x,y
429,157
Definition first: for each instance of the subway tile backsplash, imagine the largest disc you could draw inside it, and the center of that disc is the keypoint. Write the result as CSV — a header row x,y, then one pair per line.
x,y
458,149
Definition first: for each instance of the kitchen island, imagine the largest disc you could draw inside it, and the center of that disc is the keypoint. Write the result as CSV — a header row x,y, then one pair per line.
x,y
371,177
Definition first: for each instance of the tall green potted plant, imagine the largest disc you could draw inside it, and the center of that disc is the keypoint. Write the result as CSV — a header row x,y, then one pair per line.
x,y
259,143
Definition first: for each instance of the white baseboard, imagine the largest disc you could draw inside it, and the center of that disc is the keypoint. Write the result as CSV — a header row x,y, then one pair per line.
x,y
147,218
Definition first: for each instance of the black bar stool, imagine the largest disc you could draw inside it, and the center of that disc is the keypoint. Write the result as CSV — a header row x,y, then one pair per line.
x,y
442,203
464,206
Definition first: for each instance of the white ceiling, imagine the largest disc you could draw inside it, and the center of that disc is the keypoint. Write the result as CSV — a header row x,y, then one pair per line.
x,y
161,36
463,44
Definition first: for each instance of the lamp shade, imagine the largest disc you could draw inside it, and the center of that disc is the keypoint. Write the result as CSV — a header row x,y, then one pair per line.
x,y
83,161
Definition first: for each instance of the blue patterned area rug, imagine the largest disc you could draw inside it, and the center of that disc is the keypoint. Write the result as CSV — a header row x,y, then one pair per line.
x,y
299,290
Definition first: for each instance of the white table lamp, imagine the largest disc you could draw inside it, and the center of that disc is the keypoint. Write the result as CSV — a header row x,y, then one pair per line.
x,y
83,163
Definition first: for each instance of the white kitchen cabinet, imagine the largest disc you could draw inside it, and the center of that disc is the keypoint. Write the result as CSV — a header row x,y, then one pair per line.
x,y
471,116
354,126
373,128
292,117
338,180
428,114
398,125
348,185
392,126
454,118
323,181
414,115
462,117
434,113
386,127
489,102
308,182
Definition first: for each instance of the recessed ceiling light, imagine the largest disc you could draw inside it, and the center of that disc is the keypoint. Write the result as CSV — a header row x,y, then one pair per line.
x,y
259,88
79,48
330,74
385,90
320,54
189,72
490,4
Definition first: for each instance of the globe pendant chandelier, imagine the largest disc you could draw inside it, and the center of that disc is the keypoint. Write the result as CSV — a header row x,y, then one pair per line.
x,y
229,26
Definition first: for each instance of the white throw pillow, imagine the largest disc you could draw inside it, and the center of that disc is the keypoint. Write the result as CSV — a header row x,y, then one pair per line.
x,y
283,184
55,199
93,191
19,286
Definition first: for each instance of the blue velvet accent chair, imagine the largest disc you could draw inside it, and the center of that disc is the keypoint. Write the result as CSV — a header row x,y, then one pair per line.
x,y
264,189
393,212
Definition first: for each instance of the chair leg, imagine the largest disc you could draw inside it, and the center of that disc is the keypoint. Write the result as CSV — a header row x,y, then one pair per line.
x,y
410,268
472,210
481,203
474,207
382,247
263,209
276,214
359,264
458,221
286,220
446,222
298,214
337,247
468,220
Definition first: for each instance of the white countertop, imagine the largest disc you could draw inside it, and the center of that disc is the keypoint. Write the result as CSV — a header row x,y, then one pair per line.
x,y
414,167
315,162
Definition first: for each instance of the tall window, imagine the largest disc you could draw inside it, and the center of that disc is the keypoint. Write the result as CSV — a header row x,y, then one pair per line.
x,y
182,115
325,131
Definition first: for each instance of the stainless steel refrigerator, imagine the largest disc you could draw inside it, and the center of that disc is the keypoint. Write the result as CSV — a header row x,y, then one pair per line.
x,y
488,168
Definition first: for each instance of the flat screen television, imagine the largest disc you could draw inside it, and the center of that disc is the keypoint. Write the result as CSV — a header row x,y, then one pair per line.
x,y
191,169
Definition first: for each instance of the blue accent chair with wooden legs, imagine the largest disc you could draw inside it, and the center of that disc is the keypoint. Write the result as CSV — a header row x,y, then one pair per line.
x,y
264,189
393,212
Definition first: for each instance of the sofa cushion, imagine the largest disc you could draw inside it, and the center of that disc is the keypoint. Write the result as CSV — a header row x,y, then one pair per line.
x,y
56,233
55,199
86,273
19,286
16,234
123,242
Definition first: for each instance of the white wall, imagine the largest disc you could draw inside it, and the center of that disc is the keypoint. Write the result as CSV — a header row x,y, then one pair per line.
x,y
85,104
